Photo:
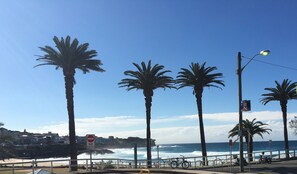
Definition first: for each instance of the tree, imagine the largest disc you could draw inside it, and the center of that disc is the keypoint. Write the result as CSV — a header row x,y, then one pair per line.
x,y
6,147
147,78
198,77
3,137
293,125
250,128
282,93
70,56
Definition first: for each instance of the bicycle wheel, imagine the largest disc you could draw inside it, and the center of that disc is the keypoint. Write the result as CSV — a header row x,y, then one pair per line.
x,y
185,164
174,164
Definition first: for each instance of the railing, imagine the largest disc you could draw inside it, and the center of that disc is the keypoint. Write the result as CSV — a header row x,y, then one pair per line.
x,y
112,163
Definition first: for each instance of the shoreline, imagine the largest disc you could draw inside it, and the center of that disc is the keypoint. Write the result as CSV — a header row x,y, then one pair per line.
x,y
166,151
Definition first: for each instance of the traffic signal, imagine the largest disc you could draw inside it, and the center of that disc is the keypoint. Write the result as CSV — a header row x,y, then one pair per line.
x,y
246,105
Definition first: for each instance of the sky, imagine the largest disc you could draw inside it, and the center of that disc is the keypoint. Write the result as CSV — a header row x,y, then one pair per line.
x,y
173,33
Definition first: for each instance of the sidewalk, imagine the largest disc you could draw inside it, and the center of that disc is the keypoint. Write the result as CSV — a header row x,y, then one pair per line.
x,y
157,171
276,167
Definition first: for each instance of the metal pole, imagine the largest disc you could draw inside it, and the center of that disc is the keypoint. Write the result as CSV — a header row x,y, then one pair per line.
x,y
135,156
231,159
158,156
239,71
52,171
91,161
33,166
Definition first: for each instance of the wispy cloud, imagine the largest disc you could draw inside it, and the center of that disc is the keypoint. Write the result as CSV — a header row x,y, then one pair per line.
x,y
165,130
231,116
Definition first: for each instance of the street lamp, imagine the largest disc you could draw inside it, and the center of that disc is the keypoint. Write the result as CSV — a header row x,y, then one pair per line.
x,y
239,72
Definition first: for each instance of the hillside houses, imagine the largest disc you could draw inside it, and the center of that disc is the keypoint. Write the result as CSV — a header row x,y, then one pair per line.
x,y
27,138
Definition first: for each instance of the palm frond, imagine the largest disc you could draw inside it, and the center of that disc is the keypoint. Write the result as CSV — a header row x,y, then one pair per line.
x,y
70,56
199,76
282,92
147,77
250,128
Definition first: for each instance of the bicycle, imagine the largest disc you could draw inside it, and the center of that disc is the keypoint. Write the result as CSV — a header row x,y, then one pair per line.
x,y
264,159
175,163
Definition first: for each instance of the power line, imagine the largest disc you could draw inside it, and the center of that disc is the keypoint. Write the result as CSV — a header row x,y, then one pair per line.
x,y
281,66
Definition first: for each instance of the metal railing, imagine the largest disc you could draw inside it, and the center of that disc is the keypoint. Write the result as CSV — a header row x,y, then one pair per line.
x,y
114,163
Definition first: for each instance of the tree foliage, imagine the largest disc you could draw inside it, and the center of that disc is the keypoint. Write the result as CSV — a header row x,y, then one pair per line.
x,y
282,93
199,76
147,78
69,56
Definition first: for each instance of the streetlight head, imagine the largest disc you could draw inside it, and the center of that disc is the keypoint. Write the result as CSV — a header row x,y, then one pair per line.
x,y
264,52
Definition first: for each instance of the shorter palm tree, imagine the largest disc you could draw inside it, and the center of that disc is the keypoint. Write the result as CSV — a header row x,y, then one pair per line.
x,y
282,93
250,128
293,125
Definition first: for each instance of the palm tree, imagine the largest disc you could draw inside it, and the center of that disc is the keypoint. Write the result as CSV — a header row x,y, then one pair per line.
x,y
293,125
282,93
198,77
70,56
147,78
250,128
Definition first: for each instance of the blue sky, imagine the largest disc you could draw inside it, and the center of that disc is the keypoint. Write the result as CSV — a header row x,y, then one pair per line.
x,y
171,33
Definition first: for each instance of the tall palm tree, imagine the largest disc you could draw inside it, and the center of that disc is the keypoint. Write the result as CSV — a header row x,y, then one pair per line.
x,y
198,77
250,128
282,93
70,56
147,78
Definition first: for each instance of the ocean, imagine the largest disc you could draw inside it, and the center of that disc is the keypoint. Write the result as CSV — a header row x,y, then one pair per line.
x,y
190,150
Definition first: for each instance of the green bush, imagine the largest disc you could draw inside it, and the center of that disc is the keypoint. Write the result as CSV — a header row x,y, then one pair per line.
x,y
105,165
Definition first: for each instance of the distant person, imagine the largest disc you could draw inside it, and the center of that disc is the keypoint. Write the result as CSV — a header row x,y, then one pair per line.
x,y
264,159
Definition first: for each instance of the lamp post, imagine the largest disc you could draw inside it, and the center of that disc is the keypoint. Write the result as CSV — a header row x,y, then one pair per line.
x,y
239,73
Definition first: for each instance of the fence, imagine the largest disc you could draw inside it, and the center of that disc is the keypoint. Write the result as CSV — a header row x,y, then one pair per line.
x,y
112,163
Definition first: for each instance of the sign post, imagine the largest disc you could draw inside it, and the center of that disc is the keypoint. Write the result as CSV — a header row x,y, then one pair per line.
x,y
91,141
91,146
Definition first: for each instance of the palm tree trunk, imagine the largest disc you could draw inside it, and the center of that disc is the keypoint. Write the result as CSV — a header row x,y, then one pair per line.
x,y
247,143
250,152
201,126
148,105
249,146
284,111
69,82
